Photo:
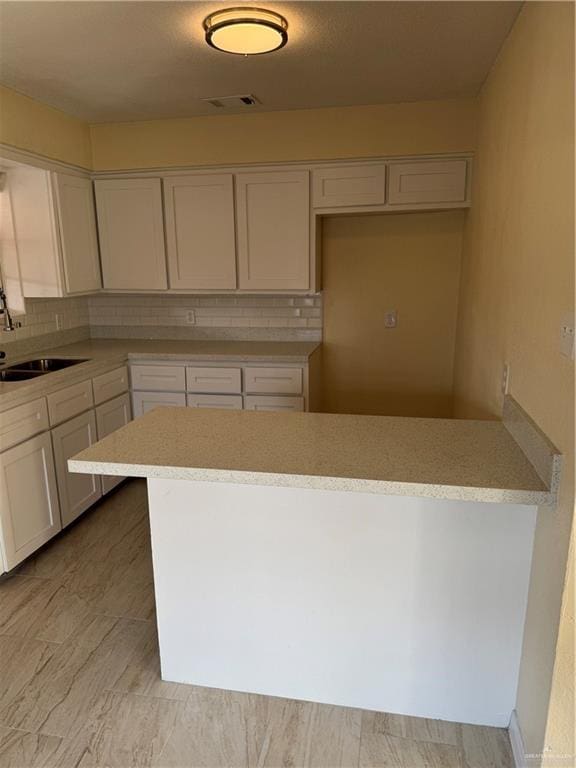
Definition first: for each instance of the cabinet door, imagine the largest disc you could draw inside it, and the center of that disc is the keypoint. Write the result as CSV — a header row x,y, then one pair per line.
x,y
429,181
77,492
200,231
77,223
131,231
145,401
110,417
349,185
29,513
273,218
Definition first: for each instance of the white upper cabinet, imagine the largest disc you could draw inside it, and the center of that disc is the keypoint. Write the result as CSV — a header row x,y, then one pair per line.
x,y
427,182
273,220
200,231
131,229
78,239
349,185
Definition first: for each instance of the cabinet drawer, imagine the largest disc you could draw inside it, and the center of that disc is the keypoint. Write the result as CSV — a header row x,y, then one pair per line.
x,y
259,403
69,402
142,402
278,381
18,424
349,185
164,378
110,384
230,402
432,181
214,380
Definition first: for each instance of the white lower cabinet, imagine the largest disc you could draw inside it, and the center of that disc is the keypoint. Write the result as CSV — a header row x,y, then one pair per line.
x,y
273,403
29,514
109,417
77,492
143,402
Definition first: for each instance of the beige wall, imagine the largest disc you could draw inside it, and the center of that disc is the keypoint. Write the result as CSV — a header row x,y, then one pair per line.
x,y
308,134
35,127
407,262
517,283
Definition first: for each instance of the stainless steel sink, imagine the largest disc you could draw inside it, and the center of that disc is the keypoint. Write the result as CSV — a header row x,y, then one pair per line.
x,y
33,368
45,364
12,375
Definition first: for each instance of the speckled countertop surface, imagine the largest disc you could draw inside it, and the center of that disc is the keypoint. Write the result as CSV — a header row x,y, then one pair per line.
x,y
105,354
438,458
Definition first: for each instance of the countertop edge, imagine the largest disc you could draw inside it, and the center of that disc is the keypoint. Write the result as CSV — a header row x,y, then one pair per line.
x,y
314,482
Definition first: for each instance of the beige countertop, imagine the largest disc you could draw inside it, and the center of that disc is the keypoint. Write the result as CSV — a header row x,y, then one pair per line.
x,y
105,354
438,458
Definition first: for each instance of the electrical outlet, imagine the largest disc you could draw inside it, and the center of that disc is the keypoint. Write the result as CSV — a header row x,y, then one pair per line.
x,y
505,384
58,319
567,336
191,317
390,318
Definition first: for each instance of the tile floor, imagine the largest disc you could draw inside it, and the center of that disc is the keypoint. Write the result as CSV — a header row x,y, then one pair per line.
x,y
80,686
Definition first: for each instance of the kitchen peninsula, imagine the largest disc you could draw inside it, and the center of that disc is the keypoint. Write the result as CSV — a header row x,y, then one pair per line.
x,y
372,562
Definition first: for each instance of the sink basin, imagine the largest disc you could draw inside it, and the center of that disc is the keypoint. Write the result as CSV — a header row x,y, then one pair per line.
x,y
14,375
45,364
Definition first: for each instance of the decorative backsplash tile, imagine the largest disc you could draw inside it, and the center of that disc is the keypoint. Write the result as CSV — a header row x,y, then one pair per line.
x,y
280,318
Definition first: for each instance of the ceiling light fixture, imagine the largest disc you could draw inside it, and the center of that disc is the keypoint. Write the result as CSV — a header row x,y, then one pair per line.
x,y
246,31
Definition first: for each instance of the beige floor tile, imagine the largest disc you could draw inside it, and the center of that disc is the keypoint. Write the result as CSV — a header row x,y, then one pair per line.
x,y
20,662
19,749
61,696
311,735
485,747
142,675
385,751
123,731
213,731
40,608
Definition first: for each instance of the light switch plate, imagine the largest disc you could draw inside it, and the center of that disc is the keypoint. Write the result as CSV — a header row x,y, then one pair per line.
x,y
390,318
567,336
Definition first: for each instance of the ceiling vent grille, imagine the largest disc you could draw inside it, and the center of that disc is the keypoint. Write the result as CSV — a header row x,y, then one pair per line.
x,y
232,102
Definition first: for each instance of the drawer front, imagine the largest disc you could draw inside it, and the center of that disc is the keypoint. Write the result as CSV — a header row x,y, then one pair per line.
x,y
277,381
69,402
142,402
110,384
259,403
427,182
349,185
163,378
18,424
230,402
213,379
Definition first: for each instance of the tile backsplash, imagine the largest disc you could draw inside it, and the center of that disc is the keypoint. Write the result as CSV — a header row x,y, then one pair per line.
x,y
216,317
49,322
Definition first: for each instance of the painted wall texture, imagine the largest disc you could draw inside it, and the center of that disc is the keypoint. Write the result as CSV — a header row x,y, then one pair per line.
x,y
308,134
35,127
517,284
404,262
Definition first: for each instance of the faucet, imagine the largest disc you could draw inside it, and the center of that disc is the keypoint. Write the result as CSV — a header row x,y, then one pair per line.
x,y
9,324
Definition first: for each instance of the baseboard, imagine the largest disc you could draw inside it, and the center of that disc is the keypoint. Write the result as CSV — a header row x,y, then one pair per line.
x,y
517,742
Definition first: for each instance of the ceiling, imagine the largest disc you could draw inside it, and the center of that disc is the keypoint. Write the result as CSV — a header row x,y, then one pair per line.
x,y
118,61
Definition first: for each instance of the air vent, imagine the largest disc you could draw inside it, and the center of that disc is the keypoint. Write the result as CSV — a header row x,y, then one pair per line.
x,y
232,102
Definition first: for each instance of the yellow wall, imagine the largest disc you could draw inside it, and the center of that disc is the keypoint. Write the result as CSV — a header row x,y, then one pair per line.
x,y
309,134
30,125
517,283
407,262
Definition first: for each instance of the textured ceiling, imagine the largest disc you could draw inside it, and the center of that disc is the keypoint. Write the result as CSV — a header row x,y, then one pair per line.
x,y
114,61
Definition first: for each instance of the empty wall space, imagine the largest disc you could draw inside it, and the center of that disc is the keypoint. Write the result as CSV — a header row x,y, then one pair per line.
x,y
371,265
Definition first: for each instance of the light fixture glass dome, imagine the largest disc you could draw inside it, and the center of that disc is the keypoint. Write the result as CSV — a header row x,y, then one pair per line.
x,y
246,31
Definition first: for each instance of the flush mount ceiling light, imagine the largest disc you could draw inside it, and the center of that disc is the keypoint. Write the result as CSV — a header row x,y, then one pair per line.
x,y
246,31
